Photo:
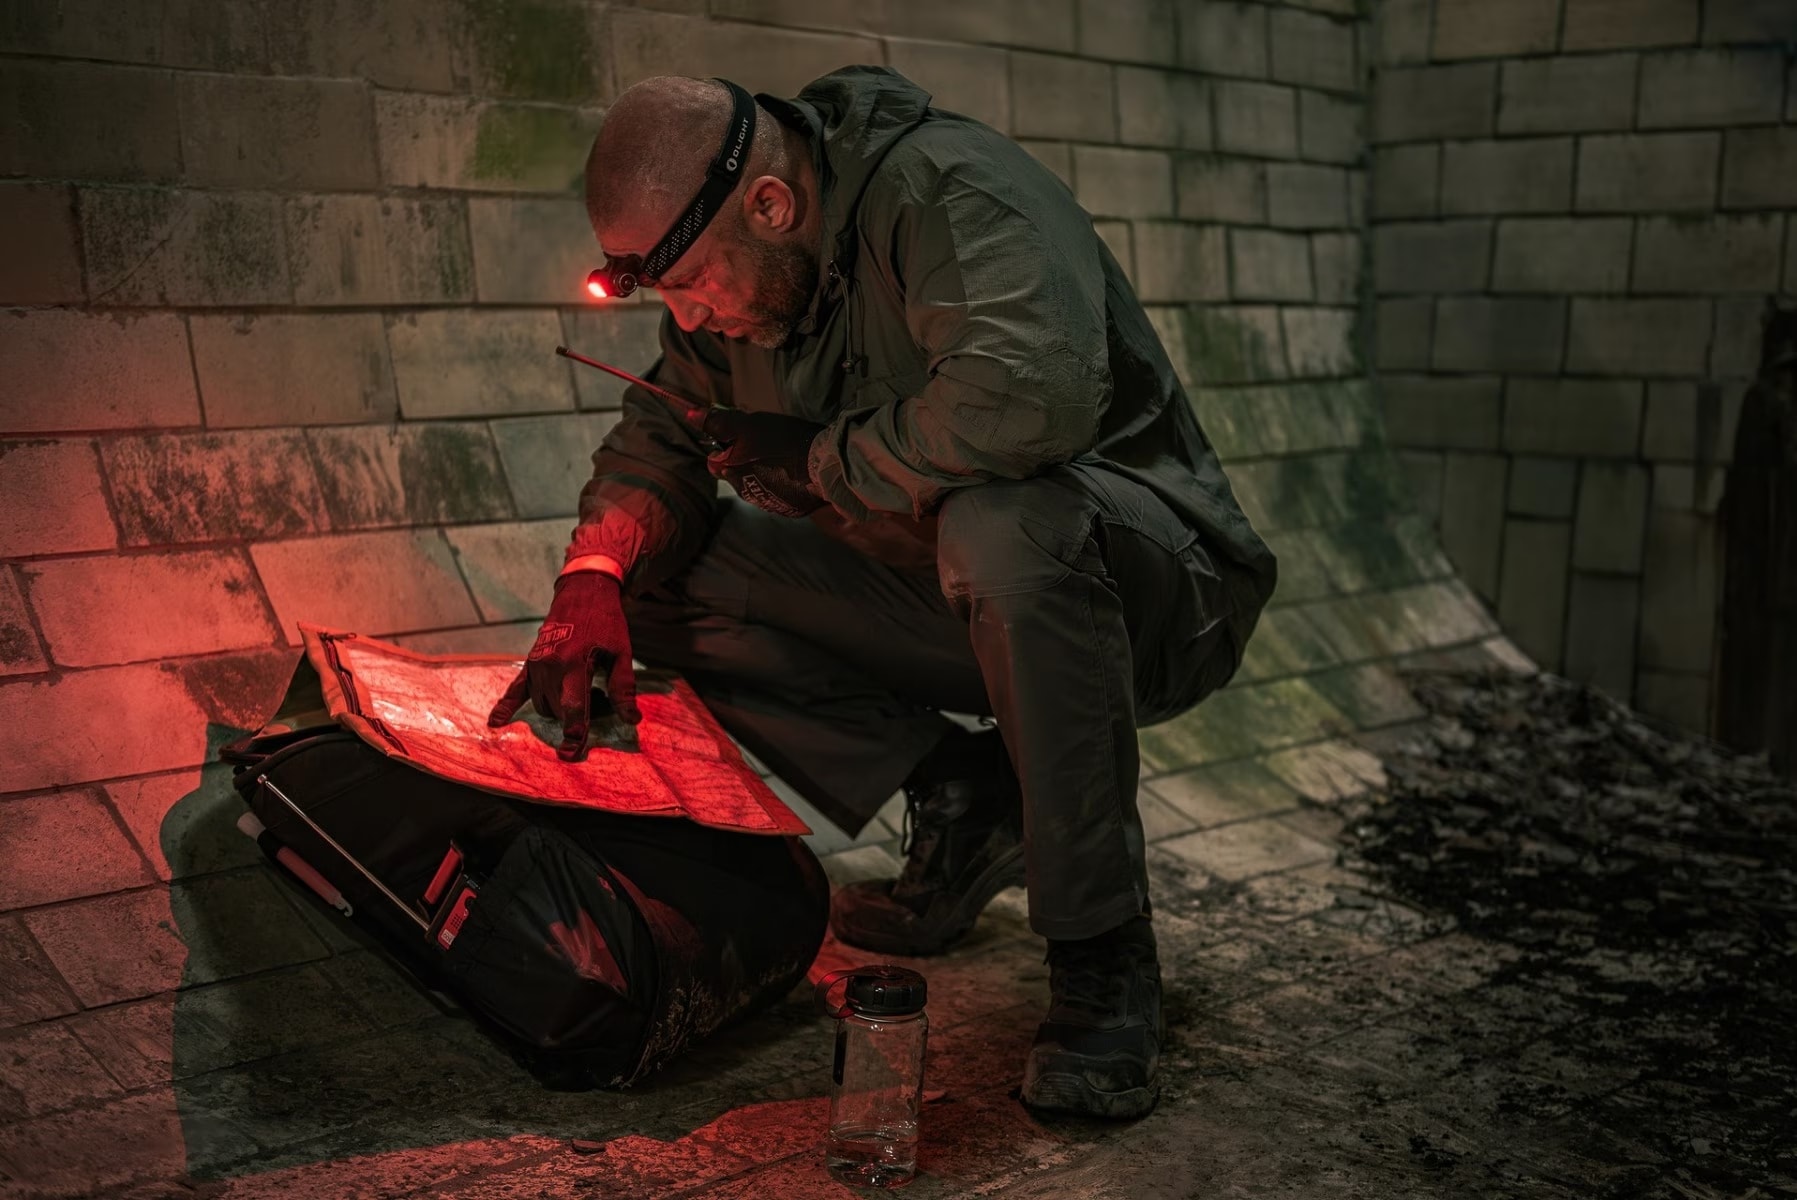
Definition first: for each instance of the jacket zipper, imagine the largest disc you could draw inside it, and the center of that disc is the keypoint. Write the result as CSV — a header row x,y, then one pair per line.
x,y
838,281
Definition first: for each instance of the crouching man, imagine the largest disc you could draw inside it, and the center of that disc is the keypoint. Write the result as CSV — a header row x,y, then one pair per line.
x,y
969,481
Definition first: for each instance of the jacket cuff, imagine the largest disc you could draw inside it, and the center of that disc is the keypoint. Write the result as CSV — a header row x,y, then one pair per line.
x,y
829,474
614,536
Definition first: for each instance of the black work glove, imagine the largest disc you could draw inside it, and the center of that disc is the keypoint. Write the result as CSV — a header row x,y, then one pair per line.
x,y
764,457
585,629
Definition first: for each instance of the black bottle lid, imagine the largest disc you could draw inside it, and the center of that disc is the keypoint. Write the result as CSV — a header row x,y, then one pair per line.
x,y
884,990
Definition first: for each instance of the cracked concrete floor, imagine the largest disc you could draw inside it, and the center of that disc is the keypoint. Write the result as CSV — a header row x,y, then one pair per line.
x,y
1404,992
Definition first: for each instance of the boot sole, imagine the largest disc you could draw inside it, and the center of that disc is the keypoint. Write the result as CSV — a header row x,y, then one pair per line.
x,y
1061,1092
1006,872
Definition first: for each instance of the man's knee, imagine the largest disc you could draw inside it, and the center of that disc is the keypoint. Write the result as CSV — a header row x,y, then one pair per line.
x,y
1008,535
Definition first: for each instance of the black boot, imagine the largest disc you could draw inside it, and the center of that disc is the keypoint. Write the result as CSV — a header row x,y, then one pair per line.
x,y
1097,1052
963,845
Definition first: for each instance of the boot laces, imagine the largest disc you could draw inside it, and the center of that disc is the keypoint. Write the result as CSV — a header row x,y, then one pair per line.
x,y
1088,977
919,839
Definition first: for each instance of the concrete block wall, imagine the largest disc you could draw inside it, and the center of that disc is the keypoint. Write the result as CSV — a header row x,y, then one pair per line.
x,y
276,326
1579,209
277,342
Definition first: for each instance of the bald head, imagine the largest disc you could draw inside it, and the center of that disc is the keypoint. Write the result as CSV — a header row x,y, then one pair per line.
x,y
651,153
752,273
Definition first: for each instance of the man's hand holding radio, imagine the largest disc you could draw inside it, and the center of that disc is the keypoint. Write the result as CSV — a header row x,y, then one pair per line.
x,y
764,457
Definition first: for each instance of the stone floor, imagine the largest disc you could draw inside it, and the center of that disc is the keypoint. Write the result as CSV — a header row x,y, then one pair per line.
x,y
1340,1026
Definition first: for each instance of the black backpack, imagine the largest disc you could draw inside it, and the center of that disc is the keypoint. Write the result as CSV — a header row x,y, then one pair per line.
x,y
596,946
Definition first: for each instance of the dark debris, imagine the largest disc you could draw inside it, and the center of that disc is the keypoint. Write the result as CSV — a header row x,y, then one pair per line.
x,y
1643,877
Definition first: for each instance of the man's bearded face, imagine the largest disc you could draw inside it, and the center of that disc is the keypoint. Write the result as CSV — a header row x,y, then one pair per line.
x,y
736,285
782,279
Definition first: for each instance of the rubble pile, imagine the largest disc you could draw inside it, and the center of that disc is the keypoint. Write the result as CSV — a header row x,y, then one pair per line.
x,y
1646,878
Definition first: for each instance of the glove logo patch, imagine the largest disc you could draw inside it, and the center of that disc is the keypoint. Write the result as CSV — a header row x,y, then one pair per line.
x,y
750,488
553,634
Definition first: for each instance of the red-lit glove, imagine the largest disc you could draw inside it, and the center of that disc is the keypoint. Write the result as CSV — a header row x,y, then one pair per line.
x,y
764,456
584,631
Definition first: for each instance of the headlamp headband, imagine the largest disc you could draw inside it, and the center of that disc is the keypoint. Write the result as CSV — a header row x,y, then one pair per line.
x,y
622,274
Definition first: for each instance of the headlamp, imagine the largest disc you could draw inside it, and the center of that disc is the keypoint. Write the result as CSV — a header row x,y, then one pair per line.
x,y
622,274
617,278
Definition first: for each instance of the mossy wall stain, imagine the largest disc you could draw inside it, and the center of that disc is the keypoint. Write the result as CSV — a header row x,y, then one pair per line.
x,y
122,230
242,248
427,248
1375,485
1240,721
18,646
1289,493
1356,412
451,473
1225,424
536,148
212,487
453,260
12,445
1370,556
535,49
358,489
349,257
1224,348
236,690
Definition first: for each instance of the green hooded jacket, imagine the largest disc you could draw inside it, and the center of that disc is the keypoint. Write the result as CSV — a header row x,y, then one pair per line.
x,y
968,325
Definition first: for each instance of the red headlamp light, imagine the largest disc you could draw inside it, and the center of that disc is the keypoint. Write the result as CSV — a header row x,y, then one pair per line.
x,y
616,279
621,276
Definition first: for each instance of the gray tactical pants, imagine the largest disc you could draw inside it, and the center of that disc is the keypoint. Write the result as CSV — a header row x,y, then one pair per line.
x,y
1071,607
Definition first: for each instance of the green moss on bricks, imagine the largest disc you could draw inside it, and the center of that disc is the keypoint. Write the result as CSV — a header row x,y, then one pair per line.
x,y
438,263
1360,337
451,473
1286,418
1284,644
1372,695
535,49
240,247
1230,790
357,492
540,149
1374,485
1450,611
1240,721
1291,493
1409,619
1303,416
174,488
454,259
1301,572
1228,422
455,269
1356,413
1366,556
1225,346
1416,534
120,225
1337,622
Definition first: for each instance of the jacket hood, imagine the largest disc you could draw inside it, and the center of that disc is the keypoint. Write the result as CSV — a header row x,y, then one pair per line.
x,y
853,116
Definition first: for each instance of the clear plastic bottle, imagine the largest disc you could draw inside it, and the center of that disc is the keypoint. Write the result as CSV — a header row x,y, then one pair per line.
x,y
876,1081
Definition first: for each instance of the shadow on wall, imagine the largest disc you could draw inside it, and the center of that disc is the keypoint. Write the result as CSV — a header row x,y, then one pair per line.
x,y
1756,705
